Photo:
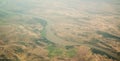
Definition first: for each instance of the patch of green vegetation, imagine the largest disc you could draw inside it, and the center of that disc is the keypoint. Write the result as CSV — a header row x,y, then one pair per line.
x,y
108,35
105,44
101,53
41,21
2,22
19,50
43,39
54,51
43,32
93,42
47,41
37,42
69,47
71,52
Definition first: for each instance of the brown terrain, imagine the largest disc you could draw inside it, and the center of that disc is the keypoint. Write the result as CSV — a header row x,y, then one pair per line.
x,y
60,30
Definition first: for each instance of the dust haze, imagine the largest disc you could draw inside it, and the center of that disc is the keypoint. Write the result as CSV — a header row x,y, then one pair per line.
x,y
60,30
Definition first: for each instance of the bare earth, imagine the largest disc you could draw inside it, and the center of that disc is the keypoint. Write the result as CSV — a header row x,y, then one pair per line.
x,y
60,30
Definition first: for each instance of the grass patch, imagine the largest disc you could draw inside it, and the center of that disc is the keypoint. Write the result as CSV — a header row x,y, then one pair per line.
x,y
43,32
71,52
54,51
